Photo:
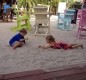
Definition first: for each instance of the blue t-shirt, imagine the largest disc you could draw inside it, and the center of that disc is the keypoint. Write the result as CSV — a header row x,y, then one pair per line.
x,y
17,37
6,6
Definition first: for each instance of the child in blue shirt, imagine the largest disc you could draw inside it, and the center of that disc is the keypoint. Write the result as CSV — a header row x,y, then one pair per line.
x,y
18,40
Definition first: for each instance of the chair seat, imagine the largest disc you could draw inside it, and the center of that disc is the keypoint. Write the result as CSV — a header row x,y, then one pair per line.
x,y
22,17
66,19
82,23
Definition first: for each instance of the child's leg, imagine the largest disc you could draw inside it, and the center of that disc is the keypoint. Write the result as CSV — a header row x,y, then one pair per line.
x,y
72,44
17,44
76,46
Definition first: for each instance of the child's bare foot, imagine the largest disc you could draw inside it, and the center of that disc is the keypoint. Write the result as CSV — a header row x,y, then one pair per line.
x,y
82,47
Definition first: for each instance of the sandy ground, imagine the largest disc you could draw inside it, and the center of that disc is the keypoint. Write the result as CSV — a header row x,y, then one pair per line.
x,y
30,57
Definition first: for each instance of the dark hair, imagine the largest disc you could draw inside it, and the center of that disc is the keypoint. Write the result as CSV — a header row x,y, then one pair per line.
x,y
23,31
50,38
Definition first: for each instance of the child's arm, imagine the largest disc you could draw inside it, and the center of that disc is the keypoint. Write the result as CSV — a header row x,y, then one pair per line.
x,y
21,40
44,46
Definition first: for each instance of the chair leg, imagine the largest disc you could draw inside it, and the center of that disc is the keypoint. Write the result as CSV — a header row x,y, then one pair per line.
x,y
79,33
19,24
11,17
74,26
36,29
61,25
7,17
28,24
3,17
69,26
58,22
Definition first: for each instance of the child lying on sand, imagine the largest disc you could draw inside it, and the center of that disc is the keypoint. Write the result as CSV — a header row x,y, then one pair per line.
x,y
51,43
18,40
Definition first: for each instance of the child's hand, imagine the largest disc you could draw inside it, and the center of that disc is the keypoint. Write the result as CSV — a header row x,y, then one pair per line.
x,y
39,46
26,38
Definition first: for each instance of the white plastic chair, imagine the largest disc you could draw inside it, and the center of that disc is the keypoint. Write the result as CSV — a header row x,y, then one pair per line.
x,y
42,20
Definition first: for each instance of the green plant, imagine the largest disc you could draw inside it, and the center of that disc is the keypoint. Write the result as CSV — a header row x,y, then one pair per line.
x,y
27,4
54,4
70,3
77,5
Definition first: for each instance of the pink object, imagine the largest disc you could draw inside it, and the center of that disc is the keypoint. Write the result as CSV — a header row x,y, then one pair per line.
x,y
82,24
79,14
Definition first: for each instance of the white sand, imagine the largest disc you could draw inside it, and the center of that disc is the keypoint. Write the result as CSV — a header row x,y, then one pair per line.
x,y
30,57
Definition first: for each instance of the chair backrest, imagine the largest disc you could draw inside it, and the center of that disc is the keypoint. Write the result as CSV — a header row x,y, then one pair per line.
x,y
40,9
83,18
70,11
83,15
41,5
41,14
61,7
79,13
69,14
